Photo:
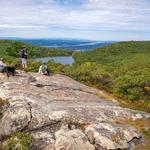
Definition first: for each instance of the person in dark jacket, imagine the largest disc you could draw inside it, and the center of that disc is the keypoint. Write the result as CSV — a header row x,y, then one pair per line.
x,y
24,58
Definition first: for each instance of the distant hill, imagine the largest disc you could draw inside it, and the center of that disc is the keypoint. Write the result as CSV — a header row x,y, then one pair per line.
x,y
70,44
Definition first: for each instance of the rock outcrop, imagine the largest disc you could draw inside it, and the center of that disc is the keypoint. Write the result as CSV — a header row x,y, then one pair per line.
x,y
62,114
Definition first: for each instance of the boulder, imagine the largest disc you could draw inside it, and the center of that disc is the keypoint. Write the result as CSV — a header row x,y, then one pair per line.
x,y
109,136
72,140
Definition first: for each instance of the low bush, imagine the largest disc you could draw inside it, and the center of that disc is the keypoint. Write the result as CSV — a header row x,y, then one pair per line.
x,y
18,141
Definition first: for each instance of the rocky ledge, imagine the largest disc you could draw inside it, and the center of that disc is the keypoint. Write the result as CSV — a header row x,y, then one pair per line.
x,y
62,114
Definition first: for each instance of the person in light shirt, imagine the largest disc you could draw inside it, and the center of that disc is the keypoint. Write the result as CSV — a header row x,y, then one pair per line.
x,y
2,65
43,69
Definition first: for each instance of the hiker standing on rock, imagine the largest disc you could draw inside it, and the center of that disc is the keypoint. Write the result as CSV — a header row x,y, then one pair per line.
x,y
24,58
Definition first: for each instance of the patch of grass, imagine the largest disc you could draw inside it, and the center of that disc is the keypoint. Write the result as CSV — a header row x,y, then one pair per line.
x,y
119,138
17,141
146,144
2,104
140,105
143,125
140,124
105,95
146,134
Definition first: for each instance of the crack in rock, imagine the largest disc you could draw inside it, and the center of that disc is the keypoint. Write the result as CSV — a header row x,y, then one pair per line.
x,y
30,112
55,88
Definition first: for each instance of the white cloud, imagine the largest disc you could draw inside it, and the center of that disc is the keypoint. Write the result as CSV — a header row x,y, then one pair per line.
x,y
17,26
86,15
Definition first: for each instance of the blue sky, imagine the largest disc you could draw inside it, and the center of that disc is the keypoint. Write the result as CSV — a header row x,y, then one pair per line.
x,y
87,19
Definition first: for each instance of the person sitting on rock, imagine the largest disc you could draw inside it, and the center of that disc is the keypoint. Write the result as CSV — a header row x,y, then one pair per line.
x,y
2,66
43,69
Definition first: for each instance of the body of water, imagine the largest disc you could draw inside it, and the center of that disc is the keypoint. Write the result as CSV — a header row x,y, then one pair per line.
x,y
58,59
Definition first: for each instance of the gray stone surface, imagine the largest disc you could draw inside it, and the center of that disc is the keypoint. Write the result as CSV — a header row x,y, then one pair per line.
x,y
41,105
72,140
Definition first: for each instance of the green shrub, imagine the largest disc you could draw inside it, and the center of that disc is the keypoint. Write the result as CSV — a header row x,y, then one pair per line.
x,y
2,104
33,66
133,93
55,67
89,72
18,141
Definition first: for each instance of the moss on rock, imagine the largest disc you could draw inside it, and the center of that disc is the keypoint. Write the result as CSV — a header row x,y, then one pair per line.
x,y
2,104
17,141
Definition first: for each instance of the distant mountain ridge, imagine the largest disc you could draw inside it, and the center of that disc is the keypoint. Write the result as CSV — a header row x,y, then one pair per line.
x,y
71,44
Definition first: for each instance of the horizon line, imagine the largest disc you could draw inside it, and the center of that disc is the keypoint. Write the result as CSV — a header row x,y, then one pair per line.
x,y
67,38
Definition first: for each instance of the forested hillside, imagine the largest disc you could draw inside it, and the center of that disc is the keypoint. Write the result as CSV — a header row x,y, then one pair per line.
x,y
12,48
122,68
